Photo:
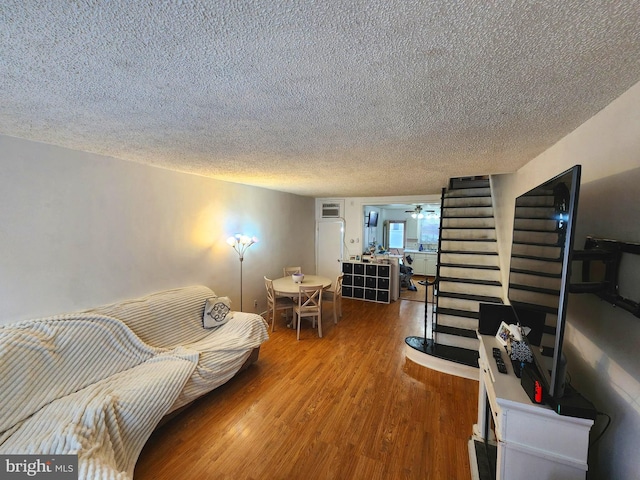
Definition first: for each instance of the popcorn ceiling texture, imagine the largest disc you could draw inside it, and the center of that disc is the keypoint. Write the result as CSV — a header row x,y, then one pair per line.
x,y
326,98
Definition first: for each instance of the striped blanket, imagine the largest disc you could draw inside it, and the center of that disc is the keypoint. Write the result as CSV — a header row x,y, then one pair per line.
x,y
97,383
85,384
173,318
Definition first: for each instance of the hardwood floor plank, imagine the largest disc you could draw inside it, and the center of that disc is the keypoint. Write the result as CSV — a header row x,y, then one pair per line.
x,y
345,406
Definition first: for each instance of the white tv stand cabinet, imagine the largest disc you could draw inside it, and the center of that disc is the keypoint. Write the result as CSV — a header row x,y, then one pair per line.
x,y
531,441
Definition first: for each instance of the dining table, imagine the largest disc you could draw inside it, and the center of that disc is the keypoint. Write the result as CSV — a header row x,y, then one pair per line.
x,y
286,287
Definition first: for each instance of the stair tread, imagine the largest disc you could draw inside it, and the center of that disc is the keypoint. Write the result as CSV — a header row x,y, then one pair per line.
x,y
448,239
457,193
460,355
536,244
536,273
529,288
462,265
468,205
458,331
462,227
534,257
447,217
530,217
467,296
534,230
476,281
462,183
467,239
468,252
454,312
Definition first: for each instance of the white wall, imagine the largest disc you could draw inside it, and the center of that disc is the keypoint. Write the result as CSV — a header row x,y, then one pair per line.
x,y
601,341
354,217
79,230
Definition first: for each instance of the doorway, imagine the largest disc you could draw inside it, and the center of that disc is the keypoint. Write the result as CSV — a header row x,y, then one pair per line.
x,y
329,241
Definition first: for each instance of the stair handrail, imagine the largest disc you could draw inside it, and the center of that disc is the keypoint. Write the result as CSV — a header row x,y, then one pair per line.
x,y
436,279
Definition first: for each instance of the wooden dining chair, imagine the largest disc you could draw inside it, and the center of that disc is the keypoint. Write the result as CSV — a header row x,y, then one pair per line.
x,y
291,270
288,271
309,306
276,303
333,294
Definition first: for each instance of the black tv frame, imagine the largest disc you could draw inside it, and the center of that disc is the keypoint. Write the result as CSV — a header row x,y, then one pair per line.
x,y
372,219
565,188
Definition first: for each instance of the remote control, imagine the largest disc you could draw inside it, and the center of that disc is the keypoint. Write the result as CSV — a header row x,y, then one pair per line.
x,y
502,368
497,355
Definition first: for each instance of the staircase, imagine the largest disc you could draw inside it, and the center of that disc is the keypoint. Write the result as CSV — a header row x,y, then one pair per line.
x,y
468,274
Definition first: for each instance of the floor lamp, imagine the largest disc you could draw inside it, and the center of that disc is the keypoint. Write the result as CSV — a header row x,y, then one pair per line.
x,y
240,243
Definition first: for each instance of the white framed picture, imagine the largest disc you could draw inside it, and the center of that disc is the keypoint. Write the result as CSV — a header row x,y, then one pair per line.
x,y
504,332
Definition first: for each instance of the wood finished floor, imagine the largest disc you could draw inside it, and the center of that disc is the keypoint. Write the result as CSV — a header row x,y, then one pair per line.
x,y
345,406
419,294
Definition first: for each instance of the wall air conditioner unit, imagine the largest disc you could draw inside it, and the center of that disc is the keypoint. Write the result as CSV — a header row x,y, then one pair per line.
x,y
331,210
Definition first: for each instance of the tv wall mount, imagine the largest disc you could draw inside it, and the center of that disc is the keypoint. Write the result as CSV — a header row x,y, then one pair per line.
x,y
601,259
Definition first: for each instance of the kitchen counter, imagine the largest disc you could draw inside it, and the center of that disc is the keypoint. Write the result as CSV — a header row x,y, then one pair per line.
x,y
424,262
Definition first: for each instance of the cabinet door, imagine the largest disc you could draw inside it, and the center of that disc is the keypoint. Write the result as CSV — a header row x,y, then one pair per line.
x,y
371,270
383,296
384,271
419,264
432,261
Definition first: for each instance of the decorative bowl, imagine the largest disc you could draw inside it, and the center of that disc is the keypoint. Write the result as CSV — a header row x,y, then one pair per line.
x,y
297,277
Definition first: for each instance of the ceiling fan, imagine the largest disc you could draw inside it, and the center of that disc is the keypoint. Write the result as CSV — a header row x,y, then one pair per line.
x,y
418,212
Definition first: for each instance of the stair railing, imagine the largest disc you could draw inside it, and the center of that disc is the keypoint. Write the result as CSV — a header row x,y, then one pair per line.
x,y
435,284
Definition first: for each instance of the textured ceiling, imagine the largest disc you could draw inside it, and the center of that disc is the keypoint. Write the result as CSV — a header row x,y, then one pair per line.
x,y
326,98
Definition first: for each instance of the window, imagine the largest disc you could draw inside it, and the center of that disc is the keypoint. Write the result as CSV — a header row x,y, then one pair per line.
x,y
429,230
396,234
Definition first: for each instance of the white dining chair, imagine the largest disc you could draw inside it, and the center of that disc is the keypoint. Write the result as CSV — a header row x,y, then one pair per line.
x,y
291,270
333,294
309,306
276,303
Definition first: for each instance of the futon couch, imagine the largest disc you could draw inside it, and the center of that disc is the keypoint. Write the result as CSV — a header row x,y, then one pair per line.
x,y
96,383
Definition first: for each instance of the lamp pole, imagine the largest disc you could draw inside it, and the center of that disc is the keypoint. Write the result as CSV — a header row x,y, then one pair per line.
x,y
240,243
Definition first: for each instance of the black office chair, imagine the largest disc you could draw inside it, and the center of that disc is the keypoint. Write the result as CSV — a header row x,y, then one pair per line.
x,y
406,272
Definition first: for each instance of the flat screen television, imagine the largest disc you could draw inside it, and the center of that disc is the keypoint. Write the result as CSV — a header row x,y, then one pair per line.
x,y
540,268
372,220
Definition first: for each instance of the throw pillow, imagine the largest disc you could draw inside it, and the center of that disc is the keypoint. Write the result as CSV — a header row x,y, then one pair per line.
x,y
217,311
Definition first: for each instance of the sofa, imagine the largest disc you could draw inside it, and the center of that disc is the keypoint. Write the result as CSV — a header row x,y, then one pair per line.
x,y
97,383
